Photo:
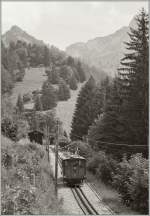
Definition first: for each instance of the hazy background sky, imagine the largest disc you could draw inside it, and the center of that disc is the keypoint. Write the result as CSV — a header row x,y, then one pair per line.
x,y
64,23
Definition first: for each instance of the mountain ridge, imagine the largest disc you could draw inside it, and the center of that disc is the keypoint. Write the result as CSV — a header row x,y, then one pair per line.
x,y
16,33
103,52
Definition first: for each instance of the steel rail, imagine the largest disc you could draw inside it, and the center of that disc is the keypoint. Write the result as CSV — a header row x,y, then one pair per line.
x,y
79,202
92,187
84,202
94,210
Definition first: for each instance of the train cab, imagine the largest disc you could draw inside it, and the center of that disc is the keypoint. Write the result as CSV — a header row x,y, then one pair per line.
x,y
73,169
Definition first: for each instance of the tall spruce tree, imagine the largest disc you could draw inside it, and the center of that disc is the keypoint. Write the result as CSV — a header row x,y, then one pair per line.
x,y
38,104
48,98
46,57
81,72
19,104
53,74
134,80
110,126
82,115
73,83
64,91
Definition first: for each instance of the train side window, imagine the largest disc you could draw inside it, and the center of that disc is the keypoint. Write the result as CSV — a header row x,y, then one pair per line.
x,y
79,162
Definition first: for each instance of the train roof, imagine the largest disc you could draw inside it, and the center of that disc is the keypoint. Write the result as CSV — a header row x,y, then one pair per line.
x,y
68,156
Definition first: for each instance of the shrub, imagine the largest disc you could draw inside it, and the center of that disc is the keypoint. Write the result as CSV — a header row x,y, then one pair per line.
x,y
27,186
138,183
121,179
27,97
83,148
104,166
106,169
23,128
6,160
131,180
94,161
9,128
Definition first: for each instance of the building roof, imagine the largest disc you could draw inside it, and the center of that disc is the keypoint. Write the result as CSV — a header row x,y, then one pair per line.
x,y
68,156
29,106
36,131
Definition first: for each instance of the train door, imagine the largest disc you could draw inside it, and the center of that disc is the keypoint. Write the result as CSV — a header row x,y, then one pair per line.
x,y
75,169
82,168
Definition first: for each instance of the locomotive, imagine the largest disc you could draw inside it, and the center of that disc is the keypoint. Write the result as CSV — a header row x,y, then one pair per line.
x,y
73,168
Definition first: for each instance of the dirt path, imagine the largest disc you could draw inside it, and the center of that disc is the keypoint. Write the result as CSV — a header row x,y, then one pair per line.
x,y
65,109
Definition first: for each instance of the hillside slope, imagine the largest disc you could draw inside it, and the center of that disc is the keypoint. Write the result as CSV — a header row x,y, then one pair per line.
x,y
103,52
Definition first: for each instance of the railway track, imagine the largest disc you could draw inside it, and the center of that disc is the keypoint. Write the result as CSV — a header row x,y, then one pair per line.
x,y
81,198
83,202
98,195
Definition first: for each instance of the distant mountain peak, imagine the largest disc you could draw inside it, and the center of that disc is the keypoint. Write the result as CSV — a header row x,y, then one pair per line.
x,y
105,52
15,28
16,33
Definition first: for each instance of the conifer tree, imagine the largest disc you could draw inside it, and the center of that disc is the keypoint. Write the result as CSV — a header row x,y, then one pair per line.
x,y
82,116
38,105
134,80
81,72
76,74
46,57
48,97
19,104
53,75
64,91
73,83
110,126
70,61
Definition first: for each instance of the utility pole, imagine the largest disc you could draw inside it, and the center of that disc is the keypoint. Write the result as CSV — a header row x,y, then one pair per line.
x,y
56,156
48,141
46,132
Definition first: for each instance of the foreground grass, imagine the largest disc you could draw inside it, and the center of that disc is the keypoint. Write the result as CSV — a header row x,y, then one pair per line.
x,y
27,182
110,196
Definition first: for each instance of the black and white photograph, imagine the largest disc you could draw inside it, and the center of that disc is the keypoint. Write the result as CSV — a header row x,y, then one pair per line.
x,y
75,107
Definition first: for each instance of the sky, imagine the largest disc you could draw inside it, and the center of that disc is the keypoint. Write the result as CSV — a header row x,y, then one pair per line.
x,y
64,23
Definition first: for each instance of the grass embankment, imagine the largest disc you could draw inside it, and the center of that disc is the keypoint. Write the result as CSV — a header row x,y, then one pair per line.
x,y
110,196
33,80
27,182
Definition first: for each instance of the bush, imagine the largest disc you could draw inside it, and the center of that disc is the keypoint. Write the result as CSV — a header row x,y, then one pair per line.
x,y
94,161
27,97
9,128
121,179
129,177
106,169
22,130
131,180
27,186
83,148
138,184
